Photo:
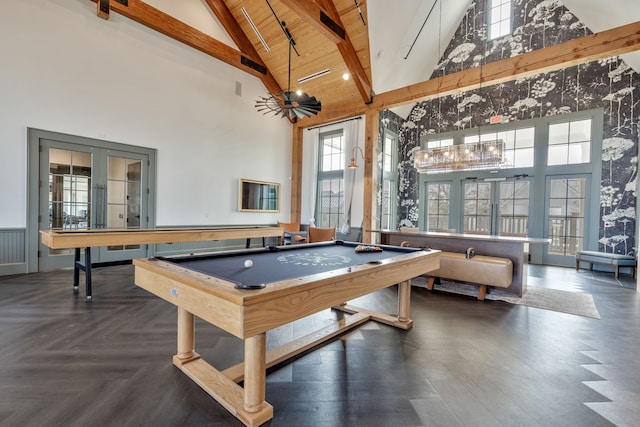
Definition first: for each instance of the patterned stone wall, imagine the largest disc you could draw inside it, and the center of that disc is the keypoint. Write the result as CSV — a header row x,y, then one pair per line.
x,y
610,84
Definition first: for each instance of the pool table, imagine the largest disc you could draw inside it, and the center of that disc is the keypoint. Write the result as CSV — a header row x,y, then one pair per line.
x,y
283,284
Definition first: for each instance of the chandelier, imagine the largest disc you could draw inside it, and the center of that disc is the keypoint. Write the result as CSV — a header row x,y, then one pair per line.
x,y
293,105
460,157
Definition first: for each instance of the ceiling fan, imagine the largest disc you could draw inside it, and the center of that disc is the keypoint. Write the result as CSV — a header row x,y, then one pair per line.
x,y
293,105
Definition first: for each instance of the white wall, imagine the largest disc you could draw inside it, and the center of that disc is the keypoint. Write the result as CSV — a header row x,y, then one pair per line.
x,y
63,69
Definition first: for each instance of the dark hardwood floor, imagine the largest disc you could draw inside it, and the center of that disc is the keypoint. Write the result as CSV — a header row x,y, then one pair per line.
x,y
65,362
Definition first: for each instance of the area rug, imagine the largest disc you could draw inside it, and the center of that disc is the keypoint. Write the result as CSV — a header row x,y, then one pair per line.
x,y
579,304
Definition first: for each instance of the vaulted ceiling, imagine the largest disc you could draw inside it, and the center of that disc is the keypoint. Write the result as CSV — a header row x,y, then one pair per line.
x,y
382,45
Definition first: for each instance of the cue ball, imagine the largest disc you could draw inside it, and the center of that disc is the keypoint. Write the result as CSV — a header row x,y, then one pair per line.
x,y
248,263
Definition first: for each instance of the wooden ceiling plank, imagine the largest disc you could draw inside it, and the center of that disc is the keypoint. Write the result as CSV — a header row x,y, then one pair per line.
x,y
155,19
240,38
605,44
350,56
311,13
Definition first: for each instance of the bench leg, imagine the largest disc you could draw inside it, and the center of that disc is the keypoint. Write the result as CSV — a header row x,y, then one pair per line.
x,y
432,279
482,292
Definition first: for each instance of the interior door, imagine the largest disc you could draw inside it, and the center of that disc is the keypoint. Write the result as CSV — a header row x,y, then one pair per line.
x,y
565,218
496,207
85,187
121,202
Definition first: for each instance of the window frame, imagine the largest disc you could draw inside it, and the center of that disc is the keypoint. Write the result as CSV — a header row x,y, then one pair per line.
x,y
537,173
493,21
330,175
391,177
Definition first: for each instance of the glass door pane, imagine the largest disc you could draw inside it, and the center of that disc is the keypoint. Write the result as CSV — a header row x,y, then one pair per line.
x,y
477,207
124,190
88,187
497,208
513,210
565,221
69,192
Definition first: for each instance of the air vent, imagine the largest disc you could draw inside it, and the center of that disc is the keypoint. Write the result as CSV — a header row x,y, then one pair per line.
x,y
314,76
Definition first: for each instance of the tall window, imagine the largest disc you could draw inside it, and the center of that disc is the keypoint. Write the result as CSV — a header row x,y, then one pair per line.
x,y
438,201
389,186
330,194
499,18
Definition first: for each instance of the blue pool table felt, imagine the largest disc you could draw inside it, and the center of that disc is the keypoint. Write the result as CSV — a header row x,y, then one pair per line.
x,y
284,262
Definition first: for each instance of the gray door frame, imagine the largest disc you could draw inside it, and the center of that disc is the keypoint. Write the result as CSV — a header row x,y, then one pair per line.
x,y
34,138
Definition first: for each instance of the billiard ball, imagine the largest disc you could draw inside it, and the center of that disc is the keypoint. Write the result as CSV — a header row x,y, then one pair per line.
x,y
248,263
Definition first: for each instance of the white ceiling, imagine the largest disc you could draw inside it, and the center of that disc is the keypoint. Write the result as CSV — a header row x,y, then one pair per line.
x,y
394,26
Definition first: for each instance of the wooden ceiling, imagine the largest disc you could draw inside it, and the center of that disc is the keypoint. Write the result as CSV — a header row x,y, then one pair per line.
x,y
318,46
328,34
331,34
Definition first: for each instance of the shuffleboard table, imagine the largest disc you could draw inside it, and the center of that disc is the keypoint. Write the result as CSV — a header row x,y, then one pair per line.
x,y
279,285
79,239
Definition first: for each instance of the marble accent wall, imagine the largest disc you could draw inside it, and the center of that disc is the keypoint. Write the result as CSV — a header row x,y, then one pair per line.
x,y
610,84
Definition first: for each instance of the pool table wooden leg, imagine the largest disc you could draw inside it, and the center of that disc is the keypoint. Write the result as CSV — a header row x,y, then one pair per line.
x,y
186,335
255,349
404,301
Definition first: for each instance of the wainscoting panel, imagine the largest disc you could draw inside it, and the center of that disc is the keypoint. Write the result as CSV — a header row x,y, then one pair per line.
x,y
13,251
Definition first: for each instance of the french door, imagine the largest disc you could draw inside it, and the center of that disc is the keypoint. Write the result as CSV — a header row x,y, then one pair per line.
x,y
565,217
496,207
84,187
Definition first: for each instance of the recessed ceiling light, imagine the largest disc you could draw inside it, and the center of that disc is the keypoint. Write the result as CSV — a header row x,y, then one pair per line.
x,y
345,76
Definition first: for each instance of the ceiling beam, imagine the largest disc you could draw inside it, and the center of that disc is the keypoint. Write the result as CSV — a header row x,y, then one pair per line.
x,y
155,19
604,44
103,9
241,40
326,19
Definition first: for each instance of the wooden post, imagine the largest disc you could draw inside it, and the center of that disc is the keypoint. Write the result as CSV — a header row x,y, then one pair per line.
x,y
404,301
186,335
296,175
255,372
370,174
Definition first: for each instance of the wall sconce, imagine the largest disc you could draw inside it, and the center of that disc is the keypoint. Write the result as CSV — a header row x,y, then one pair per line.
x,y
353,164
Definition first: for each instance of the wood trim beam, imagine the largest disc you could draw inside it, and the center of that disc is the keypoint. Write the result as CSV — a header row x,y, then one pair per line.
x,y
296,175
313,15
103,9
155,19
369,214
240,38
604,44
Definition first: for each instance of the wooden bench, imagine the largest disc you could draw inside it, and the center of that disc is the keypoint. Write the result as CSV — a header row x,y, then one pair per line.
x,y
483,271
602,258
